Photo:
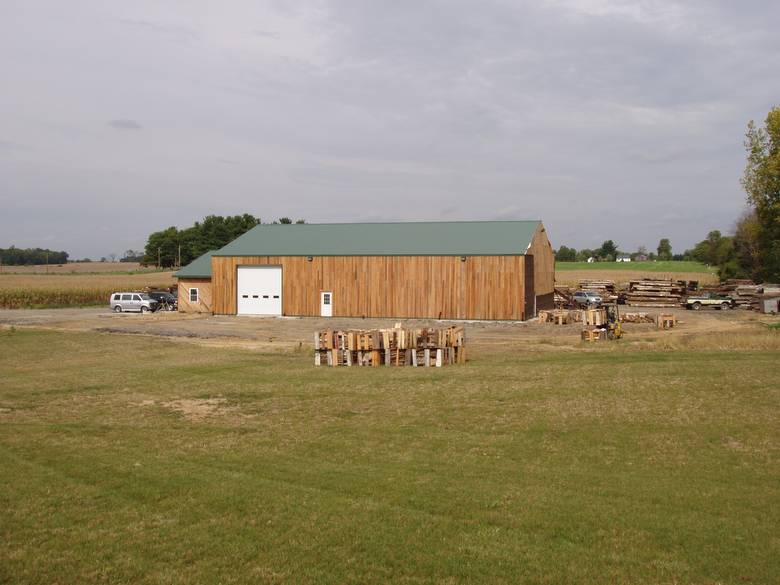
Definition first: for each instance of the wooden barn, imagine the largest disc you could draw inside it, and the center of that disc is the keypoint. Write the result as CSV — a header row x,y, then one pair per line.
x,y
500,270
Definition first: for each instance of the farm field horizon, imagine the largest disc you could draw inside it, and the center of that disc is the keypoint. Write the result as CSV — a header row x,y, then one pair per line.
x,y
625,462
670,266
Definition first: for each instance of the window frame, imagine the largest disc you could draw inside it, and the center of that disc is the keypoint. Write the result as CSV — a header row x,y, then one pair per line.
x,y
197,295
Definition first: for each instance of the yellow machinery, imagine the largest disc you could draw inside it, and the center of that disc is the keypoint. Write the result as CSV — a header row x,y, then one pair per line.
x,y
603,323
613,325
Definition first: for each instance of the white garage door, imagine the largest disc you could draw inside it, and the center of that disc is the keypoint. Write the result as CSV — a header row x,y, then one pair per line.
x,y
259,290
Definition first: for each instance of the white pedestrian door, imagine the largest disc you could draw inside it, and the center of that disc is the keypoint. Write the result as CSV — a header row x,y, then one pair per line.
x,y
326,304
259,290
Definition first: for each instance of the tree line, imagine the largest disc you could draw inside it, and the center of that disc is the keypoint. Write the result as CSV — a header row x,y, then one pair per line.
x,y
753,250
608,252
178,247
28,256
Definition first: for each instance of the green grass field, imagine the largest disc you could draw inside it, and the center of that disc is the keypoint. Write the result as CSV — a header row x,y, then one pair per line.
x,y
130,460
660,266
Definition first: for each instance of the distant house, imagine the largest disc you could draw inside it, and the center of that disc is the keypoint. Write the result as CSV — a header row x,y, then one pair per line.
x,y
591,260
640,258
623,258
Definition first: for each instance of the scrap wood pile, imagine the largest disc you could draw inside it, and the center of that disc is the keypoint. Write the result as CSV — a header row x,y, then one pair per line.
x,y
560,316
563,296
566,316
637,318
655,293
604,288
392,347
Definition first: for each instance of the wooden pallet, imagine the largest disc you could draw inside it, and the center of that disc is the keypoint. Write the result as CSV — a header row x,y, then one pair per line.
x,y
391,347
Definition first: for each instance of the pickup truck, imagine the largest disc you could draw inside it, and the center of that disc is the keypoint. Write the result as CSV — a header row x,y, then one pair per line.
x,y
709,300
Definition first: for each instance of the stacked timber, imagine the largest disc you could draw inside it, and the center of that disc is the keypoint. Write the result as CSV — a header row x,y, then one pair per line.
x,y
742,291
649,292
604,288
392,347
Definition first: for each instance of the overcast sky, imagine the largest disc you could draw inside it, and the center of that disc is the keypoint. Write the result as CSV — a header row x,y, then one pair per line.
x,y
604,118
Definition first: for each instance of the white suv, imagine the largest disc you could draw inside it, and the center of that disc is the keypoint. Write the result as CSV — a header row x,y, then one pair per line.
x,y
132,301
585,298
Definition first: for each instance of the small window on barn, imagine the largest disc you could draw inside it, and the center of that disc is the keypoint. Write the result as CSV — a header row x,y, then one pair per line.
x,y
193,295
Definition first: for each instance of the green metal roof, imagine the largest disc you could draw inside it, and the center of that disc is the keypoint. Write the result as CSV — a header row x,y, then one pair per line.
x,y
450,238
198,268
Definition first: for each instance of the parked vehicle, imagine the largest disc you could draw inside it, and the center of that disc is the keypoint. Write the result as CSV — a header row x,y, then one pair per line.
x,y
584,298
709,300
167,301
132,301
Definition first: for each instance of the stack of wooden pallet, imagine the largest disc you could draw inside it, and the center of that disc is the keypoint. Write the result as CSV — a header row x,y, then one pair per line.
x,y
393,347
604,288
567,316
655,293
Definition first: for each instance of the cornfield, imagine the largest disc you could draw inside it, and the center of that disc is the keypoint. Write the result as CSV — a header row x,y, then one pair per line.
x,y
19,298
37,291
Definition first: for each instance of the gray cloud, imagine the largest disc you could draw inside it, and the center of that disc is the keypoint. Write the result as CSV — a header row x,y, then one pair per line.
x,y
345,110
125,124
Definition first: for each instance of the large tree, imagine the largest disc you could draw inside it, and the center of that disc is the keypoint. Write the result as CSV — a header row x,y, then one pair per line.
x,y
566,254
608,250
212,233
664,249
715,250
761,181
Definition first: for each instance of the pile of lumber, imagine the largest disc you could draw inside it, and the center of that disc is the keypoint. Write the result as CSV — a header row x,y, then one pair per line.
x,y
560,316
637,318
392,347
744,292
649,292
604,288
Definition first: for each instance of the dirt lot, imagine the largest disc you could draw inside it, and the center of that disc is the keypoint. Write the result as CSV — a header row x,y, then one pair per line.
x,y
289,333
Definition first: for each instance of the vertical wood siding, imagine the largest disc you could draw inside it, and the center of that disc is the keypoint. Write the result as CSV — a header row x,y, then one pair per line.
x,y
482,287
204,304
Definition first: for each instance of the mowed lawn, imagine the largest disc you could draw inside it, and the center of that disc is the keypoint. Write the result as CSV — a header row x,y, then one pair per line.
x,y
132,460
